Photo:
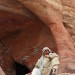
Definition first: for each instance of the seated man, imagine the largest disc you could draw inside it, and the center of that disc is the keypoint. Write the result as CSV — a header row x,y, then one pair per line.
x,y
47,64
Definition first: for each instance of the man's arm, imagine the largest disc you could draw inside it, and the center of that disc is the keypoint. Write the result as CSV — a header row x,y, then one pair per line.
x,y
37,64
52,55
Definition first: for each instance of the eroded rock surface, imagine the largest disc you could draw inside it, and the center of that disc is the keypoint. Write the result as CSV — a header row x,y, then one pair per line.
x,y
66,74
69,23
19,33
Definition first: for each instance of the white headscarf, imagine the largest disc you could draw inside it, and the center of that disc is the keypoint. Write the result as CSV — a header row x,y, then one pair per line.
x,y
46,48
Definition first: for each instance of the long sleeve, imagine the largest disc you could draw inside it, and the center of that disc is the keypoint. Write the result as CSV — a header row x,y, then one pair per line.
x,y
37,65
40,63
52,55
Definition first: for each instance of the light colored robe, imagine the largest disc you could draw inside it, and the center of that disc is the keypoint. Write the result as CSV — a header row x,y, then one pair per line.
x,y
44,65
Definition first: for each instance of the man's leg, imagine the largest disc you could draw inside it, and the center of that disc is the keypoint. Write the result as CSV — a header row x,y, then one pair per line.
x,y
36,71
53,71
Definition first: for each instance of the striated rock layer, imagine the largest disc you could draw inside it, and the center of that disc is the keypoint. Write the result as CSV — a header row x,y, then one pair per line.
x,y
69,17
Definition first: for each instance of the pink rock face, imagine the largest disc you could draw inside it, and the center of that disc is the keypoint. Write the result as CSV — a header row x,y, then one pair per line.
x,y
70,3
69,17
67,74
1,72
22,39
69,23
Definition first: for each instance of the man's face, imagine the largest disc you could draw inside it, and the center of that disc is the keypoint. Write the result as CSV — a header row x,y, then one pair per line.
x,y
46,52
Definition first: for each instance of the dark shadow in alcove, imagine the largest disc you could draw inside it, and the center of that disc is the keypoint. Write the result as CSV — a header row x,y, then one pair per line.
x,y
21,69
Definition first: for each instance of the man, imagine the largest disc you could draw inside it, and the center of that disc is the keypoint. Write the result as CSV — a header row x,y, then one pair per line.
x,y
47,64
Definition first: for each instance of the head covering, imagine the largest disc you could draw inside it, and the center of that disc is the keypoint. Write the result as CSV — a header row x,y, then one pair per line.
x,y
46,48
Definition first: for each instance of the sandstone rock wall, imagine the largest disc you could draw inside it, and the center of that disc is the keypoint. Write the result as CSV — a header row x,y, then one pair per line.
x,y
19,33
69,17
22,38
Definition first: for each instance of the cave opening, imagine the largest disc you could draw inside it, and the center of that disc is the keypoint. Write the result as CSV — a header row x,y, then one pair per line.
x,y
21,69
